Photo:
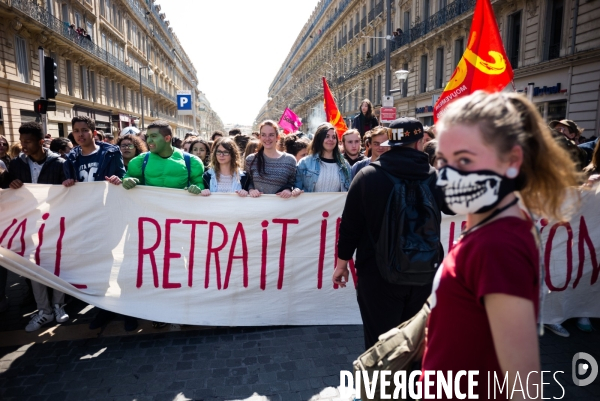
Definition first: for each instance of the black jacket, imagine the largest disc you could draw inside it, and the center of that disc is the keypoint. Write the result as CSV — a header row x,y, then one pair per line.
x,y
367,199
51,173
359,123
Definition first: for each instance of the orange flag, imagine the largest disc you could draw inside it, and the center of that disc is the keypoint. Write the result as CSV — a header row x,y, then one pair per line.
x,y
331,111
484,64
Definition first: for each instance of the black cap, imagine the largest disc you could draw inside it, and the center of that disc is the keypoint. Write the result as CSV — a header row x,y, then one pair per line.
x,y
404,130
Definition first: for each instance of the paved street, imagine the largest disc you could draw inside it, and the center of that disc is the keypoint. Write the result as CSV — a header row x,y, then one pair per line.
x,y
71,362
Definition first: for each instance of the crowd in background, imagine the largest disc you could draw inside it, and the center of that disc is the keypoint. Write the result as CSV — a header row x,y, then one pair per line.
x,y
267,161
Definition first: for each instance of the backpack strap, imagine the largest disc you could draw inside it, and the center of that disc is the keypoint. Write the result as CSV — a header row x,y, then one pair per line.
x,y
144,163
186,157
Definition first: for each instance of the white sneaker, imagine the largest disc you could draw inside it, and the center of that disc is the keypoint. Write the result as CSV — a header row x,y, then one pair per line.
x,y
59,312
558,329
38,320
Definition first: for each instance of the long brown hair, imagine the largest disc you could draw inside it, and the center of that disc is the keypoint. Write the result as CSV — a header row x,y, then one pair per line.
x,y
235,162
260,154
369,110
316,146
509,119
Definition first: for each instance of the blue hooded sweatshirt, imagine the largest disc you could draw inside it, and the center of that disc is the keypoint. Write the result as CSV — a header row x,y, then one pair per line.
x,y
111,162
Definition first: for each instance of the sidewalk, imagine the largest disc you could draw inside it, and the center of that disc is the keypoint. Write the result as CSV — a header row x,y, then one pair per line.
x,y
71,362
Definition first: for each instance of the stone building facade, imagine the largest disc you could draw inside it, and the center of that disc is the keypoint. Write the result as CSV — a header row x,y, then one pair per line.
x,y
99,71
553,43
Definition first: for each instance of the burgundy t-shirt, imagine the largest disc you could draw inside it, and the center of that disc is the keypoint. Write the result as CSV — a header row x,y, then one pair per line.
x,y
498,258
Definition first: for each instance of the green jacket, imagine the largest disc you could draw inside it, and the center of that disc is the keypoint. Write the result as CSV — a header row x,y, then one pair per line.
x,y
168,173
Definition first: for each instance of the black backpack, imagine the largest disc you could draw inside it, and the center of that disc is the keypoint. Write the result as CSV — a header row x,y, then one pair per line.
x,y
408,250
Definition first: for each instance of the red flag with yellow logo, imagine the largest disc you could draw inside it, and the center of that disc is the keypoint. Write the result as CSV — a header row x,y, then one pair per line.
x,y
484,64
331,111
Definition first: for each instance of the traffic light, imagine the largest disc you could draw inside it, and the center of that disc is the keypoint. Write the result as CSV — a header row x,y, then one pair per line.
x,y
50,78
40,106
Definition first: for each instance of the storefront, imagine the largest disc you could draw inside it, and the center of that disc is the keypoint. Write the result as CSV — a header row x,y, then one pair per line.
x,y
101,117
120,121
424,111
550,93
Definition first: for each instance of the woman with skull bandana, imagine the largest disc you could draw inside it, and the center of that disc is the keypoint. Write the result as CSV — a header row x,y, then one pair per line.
x,y
484,305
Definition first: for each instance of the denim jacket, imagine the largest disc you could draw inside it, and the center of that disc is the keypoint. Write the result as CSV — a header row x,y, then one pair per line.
x,y
308,169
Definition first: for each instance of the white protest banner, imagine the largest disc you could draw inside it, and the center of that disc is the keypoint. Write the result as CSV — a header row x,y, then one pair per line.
x,y
166,255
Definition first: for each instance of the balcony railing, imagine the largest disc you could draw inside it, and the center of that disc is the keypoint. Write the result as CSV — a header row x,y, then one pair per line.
x,y
419,30
41,15
167,95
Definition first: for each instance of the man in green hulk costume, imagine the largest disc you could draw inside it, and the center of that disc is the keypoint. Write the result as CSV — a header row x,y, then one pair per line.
x,y
165,166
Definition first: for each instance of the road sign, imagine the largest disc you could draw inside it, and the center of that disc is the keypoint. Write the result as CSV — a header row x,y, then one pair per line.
x,y
387,114
184,103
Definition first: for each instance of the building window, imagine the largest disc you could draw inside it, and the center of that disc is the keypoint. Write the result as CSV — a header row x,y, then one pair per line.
x,y
49,7
406,21
113,93
439,68
77,20
514,39
65,12
124,97
83,81
106,91
90,29
378,97
557,110
119,95
405,83
555,19
69,77
459,49
22,59
442,4
423,83
426,9
93,85
371,89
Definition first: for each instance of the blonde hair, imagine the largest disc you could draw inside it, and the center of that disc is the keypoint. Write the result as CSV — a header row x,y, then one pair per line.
x,y
234,163
509,119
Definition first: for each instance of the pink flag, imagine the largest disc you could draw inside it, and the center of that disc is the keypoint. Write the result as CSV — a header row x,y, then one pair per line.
x,y
289,121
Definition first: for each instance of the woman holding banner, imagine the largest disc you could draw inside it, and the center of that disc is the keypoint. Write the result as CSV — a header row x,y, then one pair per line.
x,y
493,150
225,173
324,169
270,170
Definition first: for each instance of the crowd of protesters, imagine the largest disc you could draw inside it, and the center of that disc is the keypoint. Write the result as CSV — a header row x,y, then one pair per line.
x,y
265,162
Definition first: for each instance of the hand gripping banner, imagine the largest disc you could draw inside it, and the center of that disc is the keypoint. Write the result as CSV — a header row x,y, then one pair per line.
x,y
166,255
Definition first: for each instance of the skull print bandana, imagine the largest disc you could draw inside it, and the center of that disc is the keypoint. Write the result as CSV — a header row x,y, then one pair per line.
x,y
473,192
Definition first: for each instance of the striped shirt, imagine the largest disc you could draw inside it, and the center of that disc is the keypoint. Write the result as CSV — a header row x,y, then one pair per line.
x,y
279,173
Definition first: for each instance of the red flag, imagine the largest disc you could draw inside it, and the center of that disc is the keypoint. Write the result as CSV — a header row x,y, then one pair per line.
x,y
484,63
331,111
